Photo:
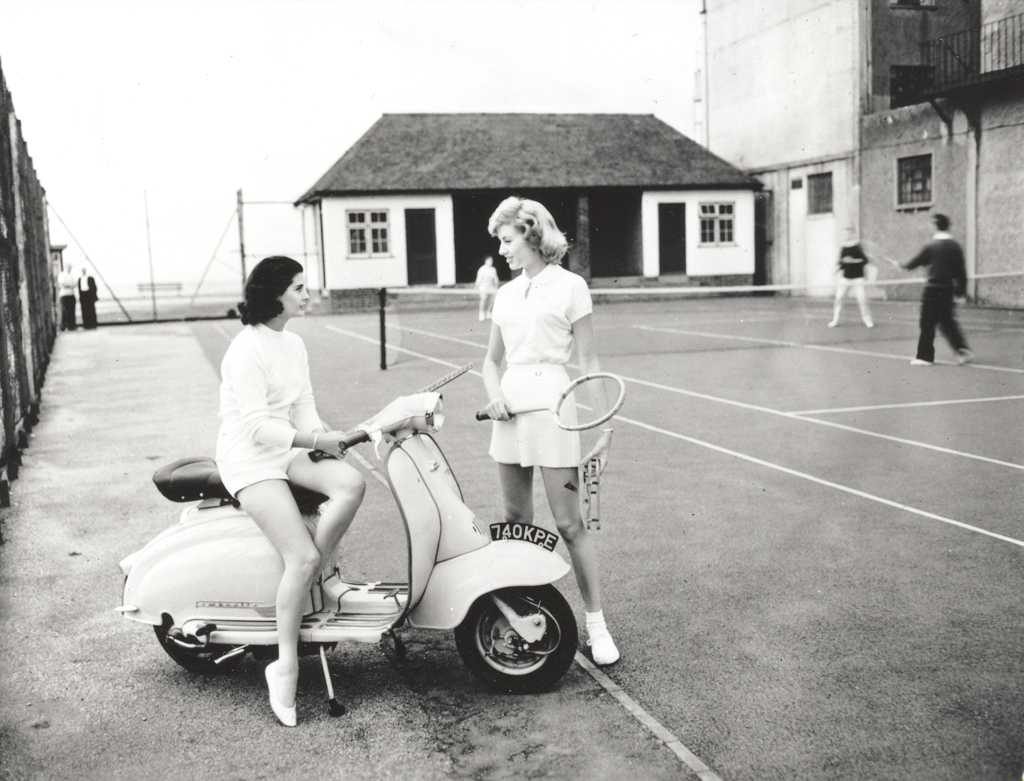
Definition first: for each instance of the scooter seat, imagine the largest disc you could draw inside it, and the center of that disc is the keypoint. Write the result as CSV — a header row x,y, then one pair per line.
x,y
196,478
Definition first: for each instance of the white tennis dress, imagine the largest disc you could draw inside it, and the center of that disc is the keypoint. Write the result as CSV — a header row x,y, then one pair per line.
x,y
536,317
265,398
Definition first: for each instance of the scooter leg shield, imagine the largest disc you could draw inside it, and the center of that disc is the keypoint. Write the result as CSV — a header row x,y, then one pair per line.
x,y
456,584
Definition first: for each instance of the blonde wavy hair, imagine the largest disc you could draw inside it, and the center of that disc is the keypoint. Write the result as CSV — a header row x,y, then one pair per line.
x,y
535,222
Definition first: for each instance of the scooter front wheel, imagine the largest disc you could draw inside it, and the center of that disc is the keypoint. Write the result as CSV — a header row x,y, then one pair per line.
x,y
495,653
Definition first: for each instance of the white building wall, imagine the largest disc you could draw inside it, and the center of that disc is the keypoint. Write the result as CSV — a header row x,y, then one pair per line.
x,y
814,239
771,100
344,272
309,214
736,258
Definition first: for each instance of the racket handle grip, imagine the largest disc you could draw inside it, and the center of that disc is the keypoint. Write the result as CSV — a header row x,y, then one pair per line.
x,y
484,416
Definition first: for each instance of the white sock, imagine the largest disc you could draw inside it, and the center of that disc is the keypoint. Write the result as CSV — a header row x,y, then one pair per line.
x,y
595,620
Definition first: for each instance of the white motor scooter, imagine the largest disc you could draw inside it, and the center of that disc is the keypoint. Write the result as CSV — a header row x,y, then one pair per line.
x,y
208,583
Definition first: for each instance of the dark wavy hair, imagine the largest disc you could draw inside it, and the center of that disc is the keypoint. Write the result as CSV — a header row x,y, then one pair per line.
x,y
267,281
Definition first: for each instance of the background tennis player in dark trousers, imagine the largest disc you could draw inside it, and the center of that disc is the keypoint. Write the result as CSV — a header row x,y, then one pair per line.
x,y
947,280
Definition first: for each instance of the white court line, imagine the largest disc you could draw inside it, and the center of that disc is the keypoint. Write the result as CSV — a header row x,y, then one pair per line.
x,y
980,325
755,460
673,743
430,358
822,347
821,481
742,405
628,703
768,464
631,706
903,405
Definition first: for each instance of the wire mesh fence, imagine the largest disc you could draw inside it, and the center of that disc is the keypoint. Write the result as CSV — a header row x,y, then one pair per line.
x,y
28,319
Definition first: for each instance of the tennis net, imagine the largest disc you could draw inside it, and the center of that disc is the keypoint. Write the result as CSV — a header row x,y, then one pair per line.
x,y
413,321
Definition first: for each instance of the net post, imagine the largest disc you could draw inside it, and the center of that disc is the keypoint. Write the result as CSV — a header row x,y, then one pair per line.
x,y
382,297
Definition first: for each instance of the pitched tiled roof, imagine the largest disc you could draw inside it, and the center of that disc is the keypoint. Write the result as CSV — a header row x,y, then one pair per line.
x,y
447,152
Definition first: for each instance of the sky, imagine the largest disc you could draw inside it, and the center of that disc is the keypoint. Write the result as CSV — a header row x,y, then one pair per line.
x,y
136,107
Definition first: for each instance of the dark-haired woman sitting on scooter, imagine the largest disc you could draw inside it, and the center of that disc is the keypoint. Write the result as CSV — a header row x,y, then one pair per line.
x,y
268,419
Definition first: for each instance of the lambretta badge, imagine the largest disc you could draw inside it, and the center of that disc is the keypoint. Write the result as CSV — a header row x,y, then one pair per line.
x,y
524,532
224,604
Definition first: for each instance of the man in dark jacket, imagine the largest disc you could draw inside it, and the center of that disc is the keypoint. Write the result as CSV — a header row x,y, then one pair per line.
x,y
947,279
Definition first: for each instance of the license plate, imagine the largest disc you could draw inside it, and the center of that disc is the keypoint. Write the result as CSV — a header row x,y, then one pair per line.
x,y
524,532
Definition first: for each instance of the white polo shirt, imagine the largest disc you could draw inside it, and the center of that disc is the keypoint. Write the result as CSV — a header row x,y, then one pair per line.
x,y
536,315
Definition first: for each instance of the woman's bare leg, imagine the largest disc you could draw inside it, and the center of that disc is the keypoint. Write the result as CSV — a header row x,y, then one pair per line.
x,y
271,506
516,492
344,488
565,508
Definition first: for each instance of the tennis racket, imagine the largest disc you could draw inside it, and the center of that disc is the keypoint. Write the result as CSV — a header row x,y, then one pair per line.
x,y
876,251
586,402
441,382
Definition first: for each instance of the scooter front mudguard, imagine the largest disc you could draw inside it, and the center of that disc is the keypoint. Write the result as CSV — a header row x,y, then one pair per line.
x,y
456,583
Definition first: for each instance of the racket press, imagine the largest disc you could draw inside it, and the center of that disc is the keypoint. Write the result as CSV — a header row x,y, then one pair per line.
x,y
590,493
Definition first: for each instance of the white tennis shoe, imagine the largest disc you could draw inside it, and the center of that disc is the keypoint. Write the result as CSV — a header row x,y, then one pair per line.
x,y
602,647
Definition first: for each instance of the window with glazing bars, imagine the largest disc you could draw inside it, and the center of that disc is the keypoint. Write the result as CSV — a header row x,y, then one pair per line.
x,y
914,180
819,193
716,222
367,233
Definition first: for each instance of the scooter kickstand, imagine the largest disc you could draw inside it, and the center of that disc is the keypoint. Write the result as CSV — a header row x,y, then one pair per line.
x,y
334,707
399,645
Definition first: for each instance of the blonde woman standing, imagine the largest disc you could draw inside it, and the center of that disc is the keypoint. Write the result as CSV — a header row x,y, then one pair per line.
x,y
537,319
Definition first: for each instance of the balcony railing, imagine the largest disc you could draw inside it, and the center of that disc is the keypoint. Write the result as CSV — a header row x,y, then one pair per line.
x,y
977,56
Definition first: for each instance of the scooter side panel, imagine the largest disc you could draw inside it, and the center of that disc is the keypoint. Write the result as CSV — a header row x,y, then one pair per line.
x,y
457,583
223,569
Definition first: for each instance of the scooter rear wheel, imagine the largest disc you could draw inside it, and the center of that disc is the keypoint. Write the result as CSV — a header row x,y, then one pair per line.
x,y
497,655
197,660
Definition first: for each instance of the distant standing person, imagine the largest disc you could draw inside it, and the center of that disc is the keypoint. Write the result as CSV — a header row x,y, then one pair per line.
x,y
853,262
947,280
87,298
487,287
67,283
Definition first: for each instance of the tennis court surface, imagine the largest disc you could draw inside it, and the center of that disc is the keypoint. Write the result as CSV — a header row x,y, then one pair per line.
x,y
812,551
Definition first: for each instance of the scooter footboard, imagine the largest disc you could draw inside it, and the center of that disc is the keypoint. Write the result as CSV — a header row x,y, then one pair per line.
x,y
456,583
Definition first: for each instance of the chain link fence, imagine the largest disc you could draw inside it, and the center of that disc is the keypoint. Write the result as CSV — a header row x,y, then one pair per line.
x,y
28,311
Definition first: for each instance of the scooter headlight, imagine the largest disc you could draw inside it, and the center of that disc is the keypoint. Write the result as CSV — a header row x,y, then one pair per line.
x,y
435,418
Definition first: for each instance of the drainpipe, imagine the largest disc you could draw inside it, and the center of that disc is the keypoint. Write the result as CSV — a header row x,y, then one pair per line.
x,y
973,113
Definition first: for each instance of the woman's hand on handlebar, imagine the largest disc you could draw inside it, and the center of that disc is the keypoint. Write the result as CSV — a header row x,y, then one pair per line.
x,y
332,442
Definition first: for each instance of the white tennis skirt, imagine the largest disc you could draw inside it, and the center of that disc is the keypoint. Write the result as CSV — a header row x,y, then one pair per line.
x,y
535,439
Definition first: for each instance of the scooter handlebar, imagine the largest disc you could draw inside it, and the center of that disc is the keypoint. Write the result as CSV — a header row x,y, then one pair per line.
x,y
347,441
355,438
481,415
